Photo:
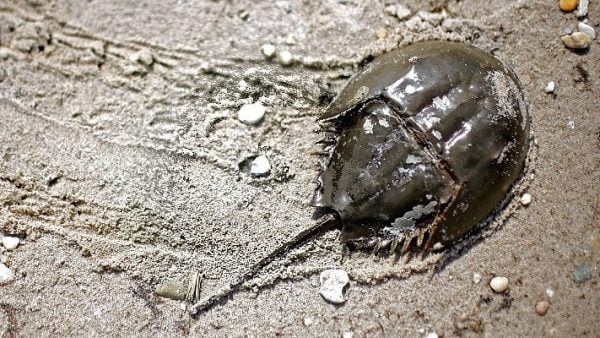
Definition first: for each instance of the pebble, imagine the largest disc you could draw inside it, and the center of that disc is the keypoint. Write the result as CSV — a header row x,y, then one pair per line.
x,y
333,283
550,87
399,11
143,56
582,9
476,278
308,321
526,199
6,275
285,58
251,113
402,12
381,33
499,284
260,166
587,30
542,307
567,5
582,273
549,293
432,335
577,40
290,40
172,289
10,243
348,334
268,50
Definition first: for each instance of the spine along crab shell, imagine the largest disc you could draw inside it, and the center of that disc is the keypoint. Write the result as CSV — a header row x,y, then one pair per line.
x,y
420,147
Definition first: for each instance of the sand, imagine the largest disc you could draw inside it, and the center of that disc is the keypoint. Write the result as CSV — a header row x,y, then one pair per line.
x,y
123,166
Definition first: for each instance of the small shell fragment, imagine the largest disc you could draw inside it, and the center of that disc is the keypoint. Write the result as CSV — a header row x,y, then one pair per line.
x,y
6,275
525,199
176,290
260,166
587,29
550,87
499,284
10,243
582,9
577,40
251,113
333,283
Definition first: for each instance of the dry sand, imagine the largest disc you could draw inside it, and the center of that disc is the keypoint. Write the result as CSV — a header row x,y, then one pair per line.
x,y
119,149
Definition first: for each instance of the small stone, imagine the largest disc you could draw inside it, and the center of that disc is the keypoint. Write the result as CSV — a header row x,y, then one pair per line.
x,y
348,334
10,243
285,58
432,335
549,293
308,321
499,284
402,12
251,113
268,50
4,53
333,283
550,87
582,9
582,273
260,166
143,56
381,33
587,30
476,278
525,199
6,275
577,40
542,307
567,5
172,289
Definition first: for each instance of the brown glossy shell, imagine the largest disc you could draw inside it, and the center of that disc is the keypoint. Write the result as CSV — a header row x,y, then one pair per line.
x,y
428,141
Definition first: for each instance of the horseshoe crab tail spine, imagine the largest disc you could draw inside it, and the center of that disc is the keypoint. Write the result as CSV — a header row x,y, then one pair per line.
x,y
326,223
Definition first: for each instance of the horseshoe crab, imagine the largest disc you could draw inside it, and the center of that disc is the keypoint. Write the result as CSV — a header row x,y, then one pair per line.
x,y
419,148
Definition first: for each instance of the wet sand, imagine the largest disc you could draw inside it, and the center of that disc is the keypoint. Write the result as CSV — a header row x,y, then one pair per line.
x,y
120,154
